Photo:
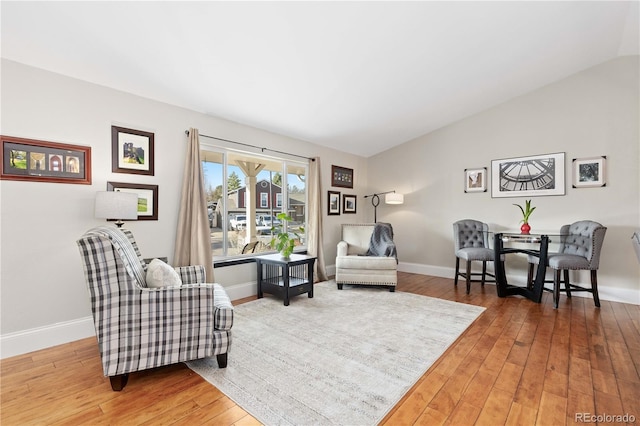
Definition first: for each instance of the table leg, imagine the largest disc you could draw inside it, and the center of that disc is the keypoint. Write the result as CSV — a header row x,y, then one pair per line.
x,y
310,278
501,278
285,281
538,284
259,276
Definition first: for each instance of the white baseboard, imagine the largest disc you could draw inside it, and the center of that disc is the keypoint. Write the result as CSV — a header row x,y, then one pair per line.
x,y
22,342
34,339
610,293
242,290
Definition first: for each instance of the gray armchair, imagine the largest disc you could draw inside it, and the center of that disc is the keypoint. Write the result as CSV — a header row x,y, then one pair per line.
x,y
139,327
580,247
471,244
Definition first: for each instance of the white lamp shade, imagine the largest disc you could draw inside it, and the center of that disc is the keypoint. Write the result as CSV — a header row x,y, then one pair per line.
x,y
394,198
116,205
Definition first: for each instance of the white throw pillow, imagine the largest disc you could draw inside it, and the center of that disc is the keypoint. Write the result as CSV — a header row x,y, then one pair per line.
x,y
159,274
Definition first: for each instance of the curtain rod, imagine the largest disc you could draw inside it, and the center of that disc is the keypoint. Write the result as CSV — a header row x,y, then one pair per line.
x,y
252,146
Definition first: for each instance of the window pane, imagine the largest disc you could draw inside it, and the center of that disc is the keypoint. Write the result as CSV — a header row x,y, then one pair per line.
x,y
212,167
243,220
297,199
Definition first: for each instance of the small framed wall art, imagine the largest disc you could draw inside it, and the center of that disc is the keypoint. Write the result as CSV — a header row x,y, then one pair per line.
x,y
475,180
589,172
41,161
341,177
333,203
147,197
132,151
349,204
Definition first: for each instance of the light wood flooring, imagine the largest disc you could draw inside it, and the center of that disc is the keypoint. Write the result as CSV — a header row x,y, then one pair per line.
x,y
520,363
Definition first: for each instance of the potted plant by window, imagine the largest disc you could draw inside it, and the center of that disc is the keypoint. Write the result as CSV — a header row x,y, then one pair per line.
x,y
526,212
282,240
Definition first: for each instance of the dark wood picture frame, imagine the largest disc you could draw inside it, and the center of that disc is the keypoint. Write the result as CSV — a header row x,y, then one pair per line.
x,y
333,203
341,177
349,204
147,209
41,161
132,151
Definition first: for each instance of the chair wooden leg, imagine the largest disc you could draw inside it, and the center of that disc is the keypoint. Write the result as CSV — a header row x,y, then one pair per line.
x,y
468,276
339,286
484,272
594,287
567,285
455,279
222,360
556,288
119,382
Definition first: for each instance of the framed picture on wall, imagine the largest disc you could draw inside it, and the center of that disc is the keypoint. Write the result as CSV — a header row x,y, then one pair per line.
x,y
349,204
147,197
589,172
475,180
132,151
528,176
341,177
41,161
333,203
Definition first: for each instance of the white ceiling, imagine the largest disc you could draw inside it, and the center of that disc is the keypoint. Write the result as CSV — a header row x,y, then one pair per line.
x,y
360,77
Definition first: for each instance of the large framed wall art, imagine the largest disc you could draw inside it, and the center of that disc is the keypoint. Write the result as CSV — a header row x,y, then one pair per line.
x,y
41,161
531,176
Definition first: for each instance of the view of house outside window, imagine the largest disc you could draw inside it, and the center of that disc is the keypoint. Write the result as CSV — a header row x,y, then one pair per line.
x,y
245,193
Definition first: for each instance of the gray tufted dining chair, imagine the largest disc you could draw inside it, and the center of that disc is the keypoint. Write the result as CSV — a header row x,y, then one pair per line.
x,y
580,247
471,243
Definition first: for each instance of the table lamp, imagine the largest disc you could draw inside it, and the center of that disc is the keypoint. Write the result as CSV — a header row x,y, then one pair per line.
x,y
116,205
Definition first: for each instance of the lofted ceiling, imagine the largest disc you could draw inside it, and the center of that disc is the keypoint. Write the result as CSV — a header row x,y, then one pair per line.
x,y
360,77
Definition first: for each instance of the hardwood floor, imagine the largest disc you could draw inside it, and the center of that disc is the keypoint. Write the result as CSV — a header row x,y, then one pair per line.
x,y
520,363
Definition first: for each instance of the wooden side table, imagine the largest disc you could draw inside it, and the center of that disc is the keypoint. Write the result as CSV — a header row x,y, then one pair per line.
x,y
285,277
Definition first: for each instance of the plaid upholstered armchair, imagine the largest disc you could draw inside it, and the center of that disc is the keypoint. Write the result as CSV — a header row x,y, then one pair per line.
x,y
139,327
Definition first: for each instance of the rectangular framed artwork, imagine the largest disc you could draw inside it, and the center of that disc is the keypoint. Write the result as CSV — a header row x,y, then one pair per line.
x,y
132,151
341,177
147,197
349,204
531,176
333,203
475,180
589,172
41,161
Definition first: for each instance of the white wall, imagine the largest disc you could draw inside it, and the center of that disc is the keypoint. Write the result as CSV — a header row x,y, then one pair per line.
x,y
43,292
589,114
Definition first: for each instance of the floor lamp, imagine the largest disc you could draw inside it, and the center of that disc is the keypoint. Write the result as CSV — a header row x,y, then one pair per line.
x,y
391,197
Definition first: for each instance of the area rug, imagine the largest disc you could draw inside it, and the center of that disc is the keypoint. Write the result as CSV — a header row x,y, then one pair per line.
x,y
343,357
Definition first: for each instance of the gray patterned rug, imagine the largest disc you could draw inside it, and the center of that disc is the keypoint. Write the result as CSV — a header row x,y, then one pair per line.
x,y
342,358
